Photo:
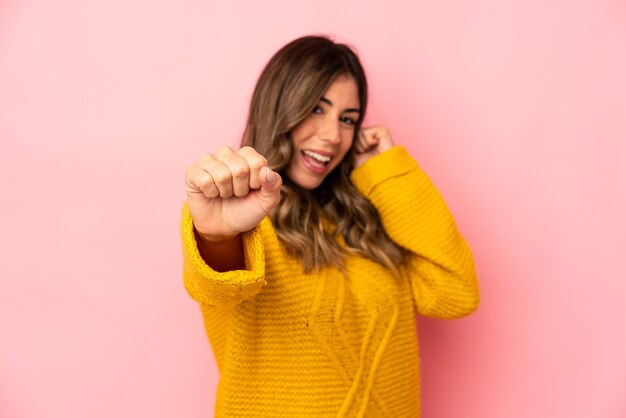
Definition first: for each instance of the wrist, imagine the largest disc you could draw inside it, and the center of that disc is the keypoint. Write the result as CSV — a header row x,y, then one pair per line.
x,y
221,253
385,146
210,238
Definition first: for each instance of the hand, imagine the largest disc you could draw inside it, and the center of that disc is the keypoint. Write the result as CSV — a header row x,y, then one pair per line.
x,y
230,192
370,142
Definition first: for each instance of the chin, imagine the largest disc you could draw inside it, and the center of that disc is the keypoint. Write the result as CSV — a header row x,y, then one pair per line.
x,y
308,184
305,182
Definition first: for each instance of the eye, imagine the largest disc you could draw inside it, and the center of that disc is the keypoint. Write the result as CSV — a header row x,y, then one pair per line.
x,y
347,120
318,109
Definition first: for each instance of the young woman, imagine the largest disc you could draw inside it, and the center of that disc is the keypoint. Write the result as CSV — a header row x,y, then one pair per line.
x,y
311,249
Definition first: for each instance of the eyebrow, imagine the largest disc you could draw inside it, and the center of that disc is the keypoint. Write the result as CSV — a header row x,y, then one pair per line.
x,y
328,102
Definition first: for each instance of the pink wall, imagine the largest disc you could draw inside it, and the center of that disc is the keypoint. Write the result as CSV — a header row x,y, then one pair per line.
x,y
517,109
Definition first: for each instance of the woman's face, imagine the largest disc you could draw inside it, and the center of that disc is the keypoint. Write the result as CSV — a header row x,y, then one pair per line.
x,y
322,140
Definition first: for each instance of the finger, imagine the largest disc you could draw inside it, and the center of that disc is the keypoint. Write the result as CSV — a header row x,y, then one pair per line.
x,y
222,177
255,162
366,141
367,132
269,194
198,180
360,146
382,136
360,142
239,170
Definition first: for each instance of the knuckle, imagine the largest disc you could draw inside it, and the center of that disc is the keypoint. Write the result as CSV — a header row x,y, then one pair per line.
x,y
222,178
258,162
247,150
249,153
253,158
223,150
204,181
207,157
240,170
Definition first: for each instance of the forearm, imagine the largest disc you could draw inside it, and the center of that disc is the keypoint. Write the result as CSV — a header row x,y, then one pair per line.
x,y
415,216
230,287
222,255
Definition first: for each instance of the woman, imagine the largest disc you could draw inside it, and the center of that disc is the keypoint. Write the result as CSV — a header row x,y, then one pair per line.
x,y
311,248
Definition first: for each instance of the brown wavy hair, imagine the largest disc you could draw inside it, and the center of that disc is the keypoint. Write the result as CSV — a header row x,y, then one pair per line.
x,y
309,222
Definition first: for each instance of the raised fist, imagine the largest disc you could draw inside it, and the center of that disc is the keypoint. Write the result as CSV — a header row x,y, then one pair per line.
x,y
230,192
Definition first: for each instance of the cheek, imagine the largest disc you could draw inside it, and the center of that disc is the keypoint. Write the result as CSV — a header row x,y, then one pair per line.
x,y
304,130
347,142
346,146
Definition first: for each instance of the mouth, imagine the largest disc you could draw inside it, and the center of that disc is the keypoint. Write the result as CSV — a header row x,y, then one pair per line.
x,y
316,159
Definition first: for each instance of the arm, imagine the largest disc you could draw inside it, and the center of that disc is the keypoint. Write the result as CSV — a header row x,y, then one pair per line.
x,y
211,287
228,194
414,215
221,255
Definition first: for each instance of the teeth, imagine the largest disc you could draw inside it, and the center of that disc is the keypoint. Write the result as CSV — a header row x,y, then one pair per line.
x,y
315,155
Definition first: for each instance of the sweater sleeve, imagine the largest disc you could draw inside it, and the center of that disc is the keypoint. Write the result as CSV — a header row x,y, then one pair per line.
x,y
442,274
213,288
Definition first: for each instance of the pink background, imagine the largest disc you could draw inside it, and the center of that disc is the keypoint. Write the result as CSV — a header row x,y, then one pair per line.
x,y
516,109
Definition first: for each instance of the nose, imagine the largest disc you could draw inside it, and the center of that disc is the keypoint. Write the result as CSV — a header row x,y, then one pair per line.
x,y
329,131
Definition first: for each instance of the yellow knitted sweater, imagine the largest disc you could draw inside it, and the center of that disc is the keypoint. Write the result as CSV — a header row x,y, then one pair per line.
x,y
325,344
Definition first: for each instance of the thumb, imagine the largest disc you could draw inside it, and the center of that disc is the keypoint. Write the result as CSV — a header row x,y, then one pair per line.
x,y
269,194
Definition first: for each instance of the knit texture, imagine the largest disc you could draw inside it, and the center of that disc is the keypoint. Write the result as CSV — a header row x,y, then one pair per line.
x,y
328,344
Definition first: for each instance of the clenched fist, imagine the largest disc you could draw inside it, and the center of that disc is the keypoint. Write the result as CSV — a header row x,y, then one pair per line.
x,y
370,142
230,192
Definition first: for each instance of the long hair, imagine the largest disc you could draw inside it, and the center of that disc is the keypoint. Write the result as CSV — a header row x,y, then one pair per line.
x,y
310,222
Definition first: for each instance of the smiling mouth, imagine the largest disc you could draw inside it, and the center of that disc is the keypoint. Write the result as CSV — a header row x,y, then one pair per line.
x,y
315,158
